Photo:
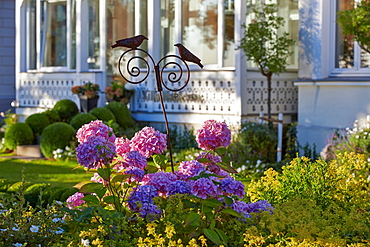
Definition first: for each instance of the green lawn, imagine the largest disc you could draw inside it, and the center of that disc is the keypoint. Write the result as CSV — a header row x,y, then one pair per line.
x,y
56,173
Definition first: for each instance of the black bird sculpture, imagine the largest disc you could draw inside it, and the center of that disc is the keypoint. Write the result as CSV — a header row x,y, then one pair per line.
x,y
133,42
187,55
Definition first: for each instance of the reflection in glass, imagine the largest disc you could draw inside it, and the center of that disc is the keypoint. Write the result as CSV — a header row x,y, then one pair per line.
x,y
31,35
54,42
199,29
93,59
229,42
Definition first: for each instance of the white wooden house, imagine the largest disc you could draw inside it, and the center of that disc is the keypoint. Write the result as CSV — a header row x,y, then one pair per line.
x,y
62,43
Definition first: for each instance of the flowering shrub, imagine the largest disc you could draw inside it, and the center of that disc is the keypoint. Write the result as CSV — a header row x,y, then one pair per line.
x,y
90,90
125,182
118,92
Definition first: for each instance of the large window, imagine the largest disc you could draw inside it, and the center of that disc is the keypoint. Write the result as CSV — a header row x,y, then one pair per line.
x,y
348,55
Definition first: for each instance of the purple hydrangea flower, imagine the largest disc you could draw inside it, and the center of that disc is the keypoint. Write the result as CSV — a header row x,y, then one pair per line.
x,y
231,186
190,168
132,159
241,208
178,187
149,210
137,174
95,129
95,152
213,134
140,195
204,188
75,200
259,206
160,180
149,141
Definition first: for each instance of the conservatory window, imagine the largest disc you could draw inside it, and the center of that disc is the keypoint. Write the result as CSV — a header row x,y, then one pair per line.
x,y
200,29
348,54
31,31
54,33
93,59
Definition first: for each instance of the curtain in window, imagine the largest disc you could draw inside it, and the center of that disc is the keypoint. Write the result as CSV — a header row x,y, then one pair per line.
x,y
54,31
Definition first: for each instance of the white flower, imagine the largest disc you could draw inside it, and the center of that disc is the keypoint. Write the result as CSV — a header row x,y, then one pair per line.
x,y
59,202
55,220
85,242
15,228
18,245
59,231
34,228
3,230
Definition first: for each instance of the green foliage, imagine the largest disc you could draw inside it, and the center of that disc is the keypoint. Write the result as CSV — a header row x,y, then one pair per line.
x,y
55,136
301,222
253,144
33,192
103,113
66,109
262,42
19,186
52,115
18,134
81,119
10,118
37,122
341,183
356,21
182,138
122,114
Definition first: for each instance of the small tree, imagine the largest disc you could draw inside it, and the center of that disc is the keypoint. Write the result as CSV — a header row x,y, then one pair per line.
x,y
263,44
356,21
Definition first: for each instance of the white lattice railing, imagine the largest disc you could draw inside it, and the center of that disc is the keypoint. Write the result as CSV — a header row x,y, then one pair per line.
x,y
45,89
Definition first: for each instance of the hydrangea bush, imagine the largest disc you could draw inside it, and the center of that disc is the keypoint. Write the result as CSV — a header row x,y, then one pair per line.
x,y
124,181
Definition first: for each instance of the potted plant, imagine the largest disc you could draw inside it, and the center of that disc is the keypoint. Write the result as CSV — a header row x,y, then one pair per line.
x,y
88,95
118,92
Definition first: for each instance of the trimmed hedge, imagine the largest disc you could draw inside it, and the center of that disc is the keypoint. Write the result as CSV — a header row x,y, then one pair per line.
x,y
81,119
37,122
18,134
66,109
55,136
122,114
103,113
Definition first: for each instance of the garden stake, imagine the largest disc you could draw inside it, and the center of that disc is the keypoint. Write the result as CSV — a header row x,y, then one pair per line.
x,y
135,71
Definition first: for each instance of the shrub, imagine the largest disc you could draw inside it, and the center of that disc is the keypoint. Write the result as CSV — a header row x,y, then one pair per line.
x,y
37,122
81,119
66,109
19,186
18,134
103,113
54,136
341,183
253,144
53,116
5,184
32,193
122,114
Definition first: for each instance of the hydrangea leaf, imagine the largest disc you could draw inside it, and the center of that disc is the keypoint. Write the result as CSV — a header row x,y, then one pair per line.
x,y
96,188
91,200
104,173
221,151
192,219
213,236
232,212
160,161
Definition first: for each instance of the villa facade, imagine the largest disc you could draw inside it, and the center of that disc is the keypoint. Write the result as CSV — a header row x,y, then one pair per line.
x,y
62,43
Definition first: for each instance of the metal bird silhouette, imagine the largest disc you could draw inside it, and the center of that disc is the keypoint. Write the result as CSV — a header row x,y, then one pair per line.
x,y
187,55
133,42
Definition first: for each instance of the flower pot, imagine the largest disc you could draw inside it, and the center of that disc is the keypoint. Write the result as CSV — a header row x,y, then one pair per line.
x,y
87,104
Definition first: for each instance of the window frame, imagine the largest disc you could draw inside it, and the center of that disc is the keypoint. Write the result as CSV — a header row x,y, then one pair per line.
x,y
356,71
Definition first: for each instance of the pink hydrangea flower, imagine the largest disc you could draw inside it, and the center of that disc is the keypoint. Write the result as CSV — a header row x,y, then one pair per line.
x,y
190,168
213,134
132,159
95,129
122,145
204,188
149,141
75,200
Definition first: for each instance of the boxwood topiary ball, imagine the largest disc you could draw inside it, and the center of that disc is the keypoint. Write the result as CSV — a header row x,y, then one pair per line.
x,y
81,119
122,114
52,115
18,134
37,122
66,109
55,136
103,113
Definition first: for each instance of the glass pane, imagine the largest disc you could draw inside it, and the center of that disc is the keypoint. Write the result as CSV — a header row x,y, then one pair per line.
x,y
93,59
344,49
167,27
73,34
199,29
120,25
229,42
31,37
54,43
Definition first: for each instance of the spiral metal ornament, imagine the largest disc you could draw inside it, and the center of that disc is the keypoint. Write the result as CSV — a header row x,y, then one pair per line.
x,y
172,77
